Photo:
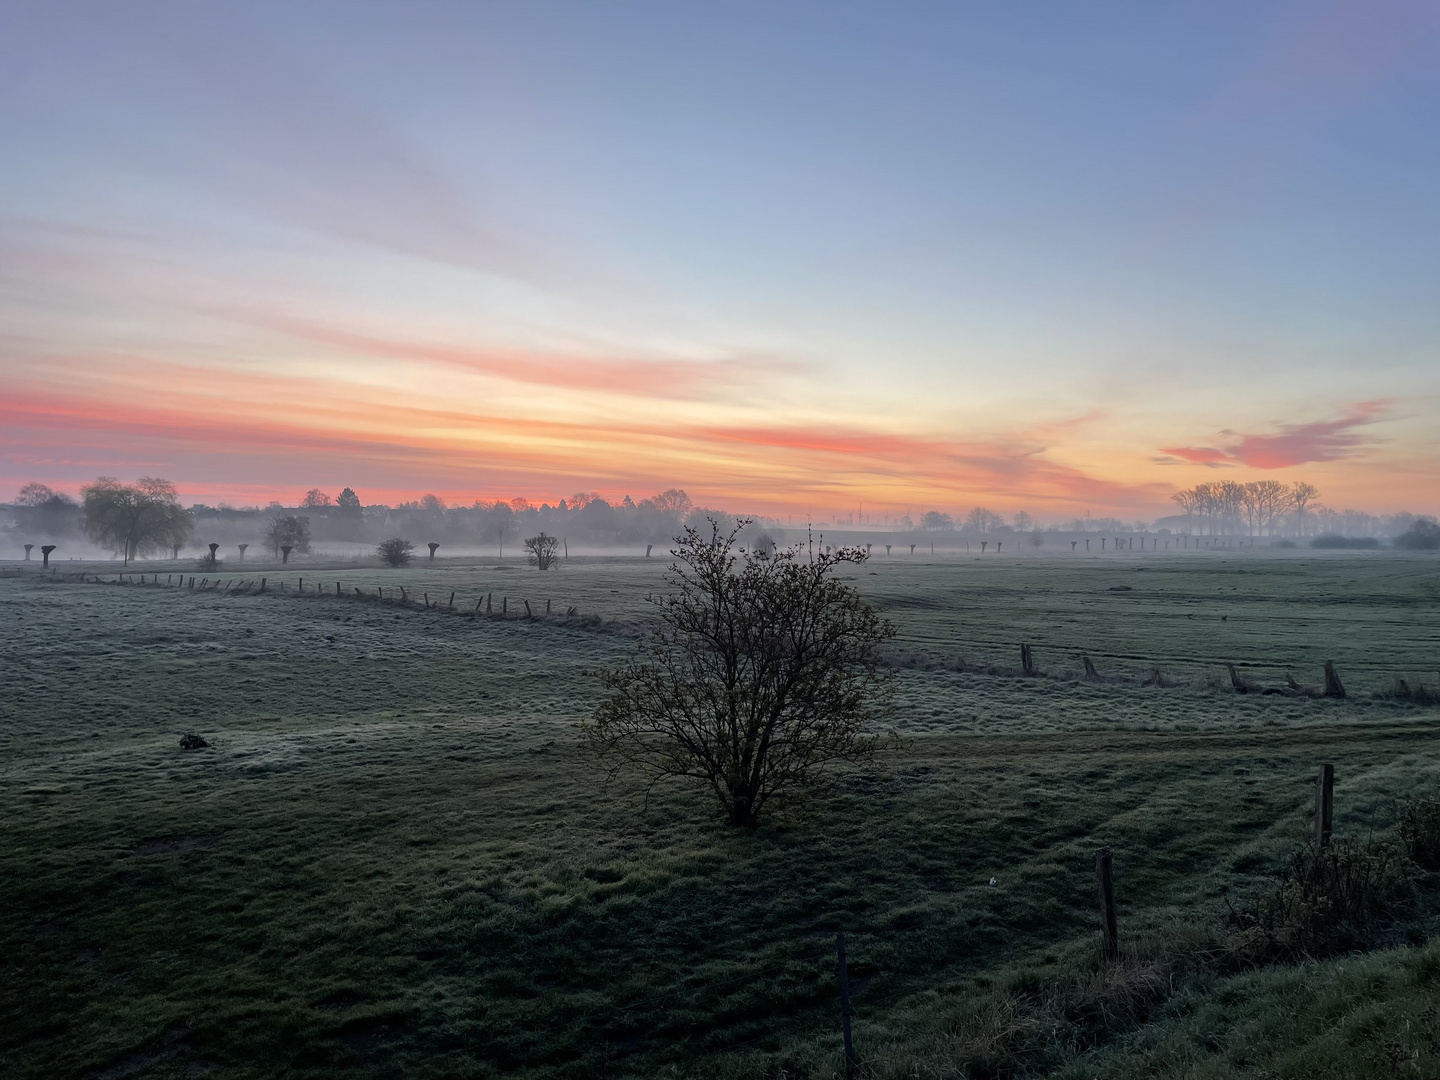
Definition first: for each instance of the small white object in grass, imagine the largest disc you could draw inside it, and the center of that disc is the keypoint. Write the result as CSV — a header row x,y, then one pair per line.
x,y
992,881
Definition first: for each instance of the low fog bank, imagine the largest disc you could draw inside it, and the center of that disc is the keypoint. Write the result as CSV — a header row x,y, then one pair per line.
x,y
1263,514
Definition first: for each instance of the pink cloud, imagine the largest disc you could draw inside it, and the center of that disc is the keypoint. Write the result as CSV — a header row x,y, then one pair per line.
x,y
1293,444
650,378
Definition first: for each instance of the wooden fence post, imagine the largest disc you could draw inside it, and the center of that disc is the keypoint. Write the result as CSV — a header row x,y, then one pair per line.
x,y
1111,943
504,606
452,601
1324,805
527,610
1333,686
1027,660
337,588
845,1011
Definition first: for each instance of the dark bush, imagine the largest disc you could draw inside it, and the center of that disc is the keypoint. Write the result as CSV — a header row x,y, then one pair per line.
x,y
1327,900
1334,540
1424,535
395,551
1420,833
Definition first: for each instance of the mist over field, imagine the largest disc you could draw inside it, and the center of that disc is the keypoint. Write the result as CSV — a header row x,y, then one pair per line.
x,y
747,541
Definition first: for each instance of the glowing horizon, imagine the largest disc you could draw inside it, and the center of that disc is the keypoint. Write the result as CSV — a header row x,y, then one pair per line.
x,y
792,262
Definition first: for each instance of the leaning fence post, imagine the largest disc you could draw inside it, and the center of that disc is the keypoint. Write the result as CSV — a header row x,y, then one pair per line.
x,y
1333,686
1111,943
452,601
845,1012
1324,804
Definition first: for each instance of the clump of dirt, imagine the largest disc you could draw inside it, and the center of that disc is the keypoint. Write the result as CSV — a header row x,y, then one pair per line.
x,y
192,741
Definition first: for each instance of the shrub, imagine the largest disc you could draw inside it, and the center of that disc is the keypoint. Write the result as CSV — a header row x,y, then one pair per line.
x,y
1327,900
396,551
1334,540
1420,833
542,550
1423,535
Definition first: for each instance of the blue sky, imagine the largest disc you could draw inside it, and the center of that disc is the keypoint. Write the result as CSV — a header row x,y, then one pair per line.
x,y
1040,256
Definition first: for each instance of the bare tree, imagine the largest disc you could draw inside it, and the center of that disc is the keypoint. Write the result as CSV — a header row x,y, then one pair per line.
x,y
315,498
1023,522
1301,496
396,551
542,550
135,519
34,494
287,530
762,669
674,501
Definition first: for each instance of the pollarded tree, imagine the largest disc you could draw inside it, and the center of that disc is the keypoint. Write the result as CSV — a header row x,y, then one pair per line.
x,y
134,519
542,550
762,669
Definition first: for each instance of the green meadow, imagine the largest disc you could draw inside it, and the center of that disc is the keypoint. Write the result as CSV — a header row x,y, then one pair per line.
x,y
396,857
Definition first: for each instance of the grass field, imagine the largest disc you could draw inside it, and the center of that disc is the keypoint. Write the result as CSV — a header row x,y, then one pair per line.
x,y
397,859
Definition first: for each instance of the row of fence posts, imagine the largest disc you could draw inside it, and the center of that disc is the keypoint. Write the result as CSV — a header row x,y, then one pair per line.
x,y
379,592
1334,688
1105,879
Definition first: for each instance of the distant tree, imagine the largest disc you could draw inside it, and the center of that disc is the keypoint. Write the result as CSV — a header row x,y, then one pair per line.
x,y
761,670
432,504
582,499
934,521
396,551
764,545
315,498
34,494
674,501
288,530
542,550
135,519
1423,535
984,519
1023,522
1301,496
41,511
1037,538
347,504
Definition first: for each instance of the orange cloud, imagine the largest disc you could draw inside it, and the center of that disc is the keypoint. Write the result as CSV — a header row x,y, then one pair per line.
x,y
221,429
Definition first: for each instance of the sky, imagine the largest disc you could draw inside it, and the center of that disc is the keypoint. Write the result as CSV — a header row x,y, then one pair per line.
x,y
795,258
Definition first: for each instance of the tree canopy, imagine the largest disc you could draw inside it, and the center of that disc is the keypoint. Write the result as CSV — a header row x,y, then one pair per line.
x,y
134,519
762,668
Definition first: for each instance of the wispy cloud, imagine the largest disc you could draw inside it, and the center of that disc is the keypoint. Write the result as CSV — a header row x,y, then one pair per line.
x,y
209,427
1293,444
652,377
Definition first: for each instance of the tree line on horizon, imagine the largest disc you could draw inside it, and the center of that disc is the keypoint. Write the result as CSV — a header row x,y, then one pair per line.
x,y
115,516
